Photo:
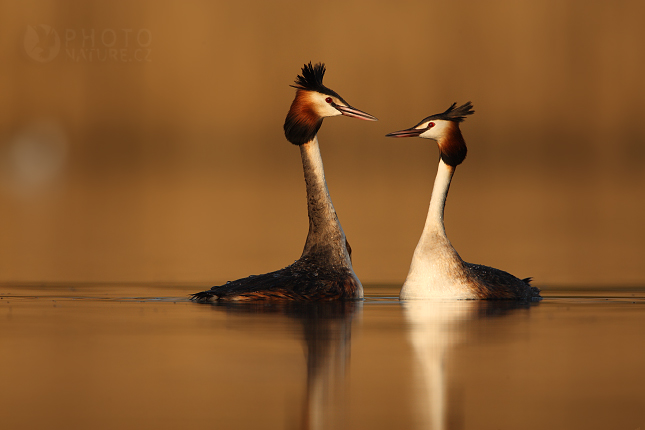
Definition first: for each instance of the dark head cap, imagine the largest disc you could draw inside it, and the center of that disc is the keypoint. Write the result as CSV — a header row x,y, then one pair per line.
x,y
455,114
312,80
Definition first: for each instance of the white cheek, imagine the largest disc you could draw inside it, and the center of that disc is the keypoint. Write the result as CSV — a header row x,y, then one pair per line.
x,y
329,110
435,132
429,134
332,111
324,109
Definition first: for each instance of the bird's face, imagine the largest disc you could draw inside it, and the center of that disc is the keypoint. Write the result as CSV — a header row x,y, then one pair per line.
x,y
445,133
308,110
327,105
434,129
437,129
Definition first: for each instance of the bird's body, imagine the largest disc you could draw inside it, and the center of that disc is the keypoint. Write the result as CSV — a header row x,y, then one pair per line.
x,y
324,270
437,271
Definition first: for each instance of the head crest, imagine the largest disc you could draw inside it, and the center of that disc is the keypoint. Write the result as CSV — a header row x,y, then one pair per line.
x,y
311,78
453,114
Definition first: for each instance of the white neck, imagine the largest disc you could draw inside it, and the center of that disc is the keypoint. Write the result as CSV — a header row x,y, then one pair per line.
x,y
436,265
434,220
434,228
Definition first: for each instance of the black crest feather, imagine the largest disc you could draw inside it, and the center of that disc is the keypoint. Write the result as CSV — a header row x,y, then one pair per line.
x,y
311,78
455,114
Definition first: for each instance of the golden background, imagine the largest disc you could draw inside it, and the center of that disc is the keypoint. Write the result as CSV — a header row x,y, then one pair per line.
x,y
142,140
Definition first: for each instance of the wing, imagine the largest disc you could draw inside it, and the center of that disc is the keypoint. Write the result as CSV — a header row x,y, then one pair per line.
x,y
498,284
300,281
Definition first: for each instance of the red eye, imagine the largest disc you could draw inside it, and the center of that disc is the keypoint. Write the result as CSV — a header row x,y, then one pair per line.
x,y
328,99
430,124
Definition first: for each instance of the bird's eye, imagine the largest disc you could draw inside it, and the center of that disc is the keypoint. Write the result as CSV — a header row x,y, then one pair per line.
x,y
328,100
430,124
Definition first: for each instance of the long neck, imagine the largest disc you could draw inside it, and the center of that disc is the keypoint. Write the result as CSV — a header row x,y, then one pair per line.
x,y
434,221
434,243
436,270
326,238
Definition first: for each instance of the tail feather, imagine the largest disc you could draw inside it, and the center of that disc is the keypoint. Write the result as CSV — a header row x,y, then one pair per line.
x,y
203,296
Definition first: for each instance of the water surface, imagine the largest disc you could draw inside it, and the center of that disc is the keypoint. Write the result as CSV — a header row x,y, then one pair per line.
x,y
105,356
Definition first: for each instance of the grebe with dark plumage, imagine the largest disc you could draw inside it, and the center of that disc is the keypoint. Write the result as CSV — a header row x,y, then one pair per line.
x,y
324,270
437,270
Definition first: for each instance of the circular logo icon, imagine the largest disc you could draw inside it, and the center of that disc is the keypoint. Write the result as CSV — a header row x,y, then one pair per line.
x,y
41,43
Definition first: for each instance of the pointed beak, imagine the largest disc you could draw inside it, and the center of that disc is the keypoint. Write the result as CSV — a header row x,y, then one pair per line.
x,y
354,113
408,132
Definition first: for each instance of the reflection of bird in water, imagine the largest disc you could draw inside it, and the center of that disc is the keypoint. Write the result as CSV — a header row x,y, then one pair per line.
x,y
324,271
435,328
436,270
326,334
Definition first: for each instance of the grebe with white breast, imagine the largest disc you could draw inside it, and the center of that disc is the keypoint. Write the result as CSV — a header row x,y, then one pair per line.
x,y
437,270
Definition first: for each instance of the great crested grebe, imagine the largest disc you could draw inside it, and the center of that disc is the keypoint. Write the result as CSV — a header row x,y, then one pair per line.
x,y
436,270
324,270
